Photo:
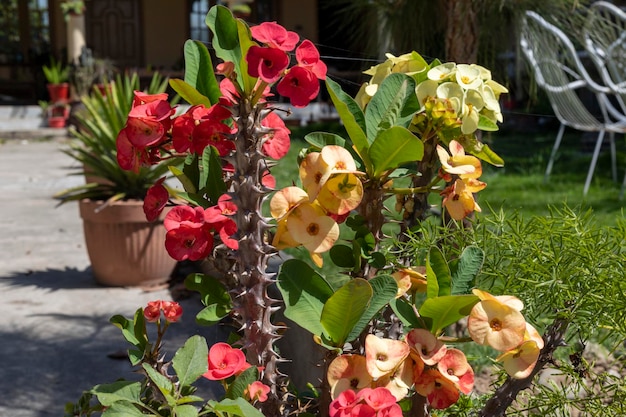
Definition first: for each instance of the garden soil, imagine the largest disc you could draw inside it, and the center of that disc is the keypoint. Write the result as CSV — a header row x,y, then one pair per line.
x,y
55,337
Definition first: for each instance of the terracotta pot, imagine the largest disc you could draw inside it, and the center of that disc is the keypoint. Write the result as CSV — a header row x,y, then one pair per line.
x,y
124,248
56,122
59,92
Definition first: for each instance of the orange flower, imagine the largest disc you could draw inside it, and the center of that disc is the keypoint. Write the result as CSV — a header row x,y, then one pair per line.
x,y
311,228
496,322
465,166
413,279
458,200
425,346
383,356
341,193
520,362
439,390
318,167
399,381
347,372
455,367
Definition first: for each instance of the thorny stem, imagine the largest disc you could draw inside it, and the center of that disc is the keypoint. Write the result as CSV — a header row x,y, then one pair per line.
x,y
252,305
504,396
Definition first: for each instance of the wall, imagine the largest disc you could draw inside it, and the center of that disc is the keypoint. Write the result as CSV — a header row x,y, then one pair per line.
x,y
165,31
300,16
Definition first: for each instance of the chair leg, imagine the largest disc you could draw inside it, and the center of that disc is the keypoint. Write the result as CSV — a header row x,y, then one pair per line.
x,y
613,156
594,160
555,148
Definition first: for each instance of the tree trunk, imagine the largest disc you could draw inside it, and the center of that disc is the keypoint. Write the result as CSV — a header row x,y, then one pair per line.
x,y
461,31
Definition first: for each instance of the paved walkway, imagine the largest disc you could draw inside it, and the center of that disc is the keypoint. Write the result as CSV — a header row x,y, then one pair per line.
x,y
54,329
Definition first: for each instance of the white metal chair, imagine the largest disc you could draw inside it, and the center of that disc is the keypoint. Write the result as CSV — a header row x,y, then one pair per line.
x,y
559,72
605,39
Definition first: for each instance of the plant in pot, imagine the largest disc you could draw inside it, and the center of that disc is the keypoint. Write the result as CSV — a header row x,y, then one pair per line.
x,y
57,75
124,248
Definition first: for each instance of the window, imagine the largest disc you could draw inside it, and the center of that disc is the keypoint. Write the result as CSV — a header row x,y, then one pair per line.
x,y
24,39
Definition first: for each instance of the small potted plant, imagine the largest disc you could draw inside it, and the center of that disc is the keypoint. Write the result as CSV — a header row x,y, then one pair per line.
x,y
124,248
57,75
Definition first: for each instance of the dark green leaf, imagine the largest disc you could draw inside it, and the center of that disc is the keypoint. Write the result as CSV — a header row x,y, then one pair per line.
x,y
237,407
122,409
189,93
185,410
438,277
407,315
238,386
342,256
304,292
162,383
190,361
320,139
199,72
377,260
468,267
211,175
393,105
212,314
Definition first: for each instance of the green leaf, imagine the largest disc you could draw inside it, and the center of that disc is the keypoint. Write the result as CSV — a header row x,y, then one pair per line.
x,y
344,309
320,139
468,267
185,410
443,311
486,154
134,335
122,409
393,104
438,277
377,260
189,93
237,407
184,179
162,382
393,147
211,290
486,124
211,175
190,361
342,256
304,292
352,117
199,72
384,289
239,385
108,394
407,315
212,314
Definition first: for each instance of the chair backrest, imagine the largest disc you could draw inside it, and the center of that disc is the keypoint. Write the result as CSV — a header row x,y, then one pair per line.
x,y
605,39
558,71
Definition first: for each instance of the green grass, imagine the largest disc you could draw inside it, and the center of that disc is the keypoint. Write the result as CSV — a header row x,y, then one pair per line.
x,y
519,186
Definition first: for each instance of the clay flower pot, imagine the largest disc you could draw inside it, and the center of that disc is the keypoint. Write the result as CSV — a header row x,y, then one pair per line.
x,y
123,247
59,92
56,122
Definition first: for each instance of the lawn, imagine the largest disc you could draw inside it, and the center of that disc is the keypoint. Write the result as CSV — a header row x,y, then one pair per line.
x,y
519,186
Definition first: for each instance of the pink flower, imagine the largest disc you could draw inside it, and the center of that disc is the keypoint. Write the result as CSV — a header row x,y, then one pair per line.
x,y
144,98
224,362
180,215
156,199
455,367
257,391
300,85
188,242
128,156
218,218
152,311
377,398
147,123
344,403
267,64
276,143
214,133
308,57
275,36
439,390
172,311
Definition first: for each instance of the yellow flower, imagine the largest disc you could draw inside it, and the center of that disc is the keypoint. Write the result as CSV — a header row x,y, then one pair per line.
x,y
347,372
341,193
312,228
520,361
457,162
383,356
283,201
496,322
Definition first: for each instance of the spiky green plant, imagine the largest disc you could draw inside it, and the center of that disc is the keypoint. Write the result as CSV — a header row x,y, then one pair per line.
x,y
94,147
56,72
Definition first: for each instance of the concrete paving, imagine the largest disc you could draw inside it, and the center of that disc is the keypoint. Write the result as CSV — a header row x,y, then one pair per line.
x,y
55,336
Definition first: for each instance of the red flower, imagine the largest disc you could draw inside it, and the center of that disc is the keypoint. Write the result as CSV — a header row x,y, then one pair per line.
x,y
300,85
147,123
144,98
172,311
156,198
152,311
188,242
266,63
212,133
276,143
180,215
225,361
268,180
308,57
275,36
377,398
218,217
342,406
128,156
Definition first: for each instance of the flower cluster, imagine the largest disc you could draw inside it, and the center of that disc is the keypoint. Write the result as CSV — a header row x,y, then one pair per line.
x,y
368,402
172,311
420,362
497,321
269,63
308,217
